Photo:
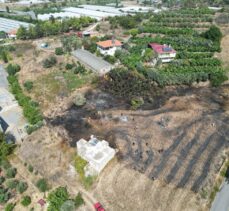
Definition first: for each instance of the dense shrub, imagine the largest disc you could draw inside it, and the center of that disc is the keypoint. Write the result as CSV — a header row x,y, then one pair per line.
x,y
79,69
30,168
136,102
26,201
9,207
49,62
4,195
213,34
57,197
2,179
4,56
11,172
80,100
4,52
32,128
59,51
42,185
4,163
22,187
30,109
69,66
110,59
12,69
28,85
11,184
78,200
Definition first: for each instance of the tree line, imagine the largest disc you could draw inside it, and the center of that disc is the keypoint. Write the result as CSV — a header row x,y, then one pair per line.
x,y
53,27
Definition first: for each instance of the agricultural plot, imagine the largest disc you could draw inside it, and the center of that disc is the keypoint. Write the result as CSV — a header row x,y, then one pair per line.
x,y
183,30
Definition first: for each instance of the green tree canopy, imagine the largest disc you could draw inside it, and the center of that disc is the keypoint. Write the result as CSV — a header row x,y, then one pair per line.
x,y
56,198
42,185
26,201
213,34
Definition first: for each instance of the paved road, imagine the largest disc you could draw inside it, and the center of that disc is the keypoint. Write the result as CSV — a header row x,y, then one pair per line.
x,y
221,202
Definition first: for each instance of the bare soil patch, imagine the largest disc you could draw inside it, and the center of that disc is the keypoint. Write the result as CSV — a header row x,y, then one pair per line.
x,y
224,54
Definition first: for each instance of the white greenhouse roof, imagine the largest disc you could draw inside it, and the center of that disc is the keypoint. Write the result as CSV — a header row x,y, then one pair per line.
x,y
61,15
134,9
87,12
103,9
29,2
94,11
7,25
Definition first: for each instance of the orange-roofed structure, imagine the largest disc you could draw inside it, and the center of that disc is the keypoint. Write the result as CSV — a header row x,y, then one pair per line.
x,y
12,33
108,47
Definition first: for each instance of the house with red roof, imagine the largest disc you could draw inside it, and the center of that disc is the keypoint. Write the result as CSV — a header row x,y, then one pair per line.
x,y
12,34
164,52
108,47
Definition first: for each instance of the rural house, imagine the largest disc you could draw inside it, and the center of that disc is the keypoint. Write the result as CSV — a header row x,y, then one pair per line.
x,y
12,34
164,52
97,153
108,47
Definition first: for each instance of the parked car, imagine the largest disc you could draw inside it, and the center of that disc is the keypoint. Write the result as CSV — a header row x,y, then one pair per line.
x,y
98,207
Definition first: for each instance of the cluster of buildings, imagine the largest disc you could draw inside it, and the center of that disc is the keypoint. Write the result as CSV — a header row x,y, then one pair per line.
x,y
164,52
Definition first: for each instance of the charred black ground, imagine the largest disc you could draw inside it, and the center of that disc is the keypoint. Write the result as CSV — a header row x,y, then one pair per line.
x,y
190,153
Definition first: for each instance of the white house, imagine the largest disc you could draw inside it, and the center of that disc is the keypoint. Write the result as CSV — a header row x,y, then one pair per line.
x,y
109,47
97,153
164,52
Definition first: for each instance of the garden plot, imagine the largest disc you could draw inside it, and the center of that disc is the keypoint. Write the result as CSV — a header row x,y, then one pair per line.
x,y
183,30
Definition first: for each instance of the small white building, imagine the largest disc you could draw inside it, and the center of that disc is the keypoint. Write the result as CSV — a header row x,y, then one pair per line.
x,y
164,52
109,47
97,153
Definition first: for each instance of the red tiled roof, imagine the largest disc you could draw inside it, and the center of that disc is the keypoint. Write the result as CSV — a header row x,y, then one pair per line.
x,y
109,43
13,32
160,49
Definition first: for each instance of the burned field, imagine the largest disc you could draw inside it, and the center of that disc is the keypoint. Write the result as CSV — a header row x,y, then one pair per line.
x,y
180,141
